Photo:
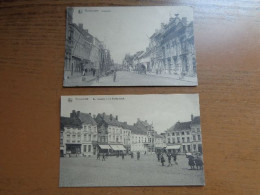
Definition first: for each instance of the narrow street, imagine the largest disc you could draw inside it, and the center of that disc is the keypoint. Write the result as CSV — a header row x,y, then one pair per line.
x,y
125,78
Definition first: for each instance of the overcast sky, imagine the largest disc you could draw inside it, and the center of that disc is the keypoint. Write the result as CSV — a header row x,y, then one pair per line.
x,y
161,110
126,29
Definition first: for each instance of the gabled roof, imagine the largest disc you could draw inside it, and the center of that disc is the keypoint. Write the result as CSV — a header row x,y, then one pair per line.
x,y
137,130
180,126
86,119
70,122
108,119
196,120
184,125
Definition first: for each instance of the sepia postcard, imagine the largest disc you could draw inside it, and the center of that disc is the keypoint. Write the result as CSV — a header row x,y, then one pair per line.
x,y
131,140
130,46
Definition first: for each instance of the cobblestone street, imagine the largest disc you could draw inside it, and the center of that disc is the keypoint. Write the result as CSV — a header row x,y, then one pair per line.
x,y
87,171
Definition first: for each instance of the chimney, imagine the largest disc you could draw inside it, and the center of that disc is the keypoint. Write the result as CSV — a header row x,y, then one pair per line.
x,y
171,19
103,115
72,114
111,117
176,15
184,21
191,117
78,113
89,114
116,117
80,25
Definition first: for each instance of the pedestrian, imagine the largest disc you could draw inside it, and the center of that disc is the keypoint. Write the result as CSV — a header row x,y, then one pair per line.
x,y
145,153
103,157
138,155
169,159
175,158
123,156
162,160
98,156
114,77
132,155
158,156
97,78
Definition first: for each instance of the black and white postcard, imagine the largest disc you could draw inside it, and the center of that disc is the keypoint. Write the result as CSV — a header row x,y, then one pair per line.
x,y
130,46
131,140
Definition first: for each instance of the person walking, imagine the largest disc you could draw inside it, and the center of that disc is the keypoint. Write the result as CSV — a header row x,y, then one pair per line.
x,y
175,158
169,159
97,78
132,155
162,159
98,156
114,77
103,157
158,156
138,155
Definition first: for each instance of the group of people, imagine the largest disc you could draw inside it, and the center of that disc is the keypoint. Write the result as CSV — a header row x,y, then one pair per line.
x,y
169,156
195,161
105,155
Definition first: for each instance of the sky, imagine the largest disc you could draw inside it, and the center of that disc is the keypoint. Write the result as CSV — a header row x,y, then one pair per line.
x,y
126,29
161,110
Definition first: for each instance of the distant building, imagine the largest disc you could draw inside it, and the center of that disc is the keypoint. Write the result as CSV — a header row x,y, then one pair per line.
x,y
186,136
139,140
159,142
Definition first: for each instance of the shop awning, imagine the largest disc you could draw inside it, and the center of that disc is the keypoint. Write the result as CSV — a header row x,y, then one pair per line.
x,y
174,147
104,147
117,147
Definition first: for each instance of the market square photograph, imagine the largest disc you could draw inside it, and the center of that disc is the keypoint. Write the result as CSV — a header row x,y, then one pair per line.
x,y
131,140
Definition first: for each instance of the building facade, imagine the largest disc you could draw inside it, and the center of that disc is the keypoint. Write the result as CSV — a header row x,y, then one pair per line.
x,y
170,51
186,135
78,135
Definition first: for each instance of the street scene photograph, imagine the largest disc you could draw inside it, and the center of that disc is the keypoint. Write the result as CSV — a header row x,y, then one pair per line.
x,y
131,140
130,46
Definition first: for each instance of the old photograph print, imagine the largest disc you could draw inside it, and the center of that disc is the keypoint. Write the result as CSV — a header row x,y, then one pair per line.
x,y
130,46
131,140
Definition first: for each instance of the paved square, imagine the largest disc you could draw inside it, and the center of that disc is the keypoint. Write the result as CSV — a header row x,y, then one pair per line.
x,y
87,171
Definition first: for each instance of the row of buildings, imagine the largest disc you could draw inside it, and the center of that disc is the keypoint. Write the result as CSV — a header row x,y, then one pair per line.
x,y
85,134
84,53
170,51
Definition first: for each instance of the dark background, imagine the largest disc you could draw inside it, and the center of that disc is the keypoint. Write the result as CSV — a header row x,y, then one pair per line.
x,y
32,37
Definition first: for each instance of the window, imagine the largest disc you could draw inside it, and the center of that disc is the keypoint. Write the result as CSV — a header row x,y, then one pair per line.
x,y
194,147
85,137
199,137
85,148
89,137
198,129
74,136
183,139
89,148
188,133
169,134
116,139
178,139
172,134
61,141
85,127
182,133
177,133
173,140
188,139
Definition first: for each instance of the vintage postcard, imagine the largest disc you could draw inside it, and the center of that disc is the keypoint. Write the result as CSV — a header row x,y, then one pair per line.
x,y
130,46
131,140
